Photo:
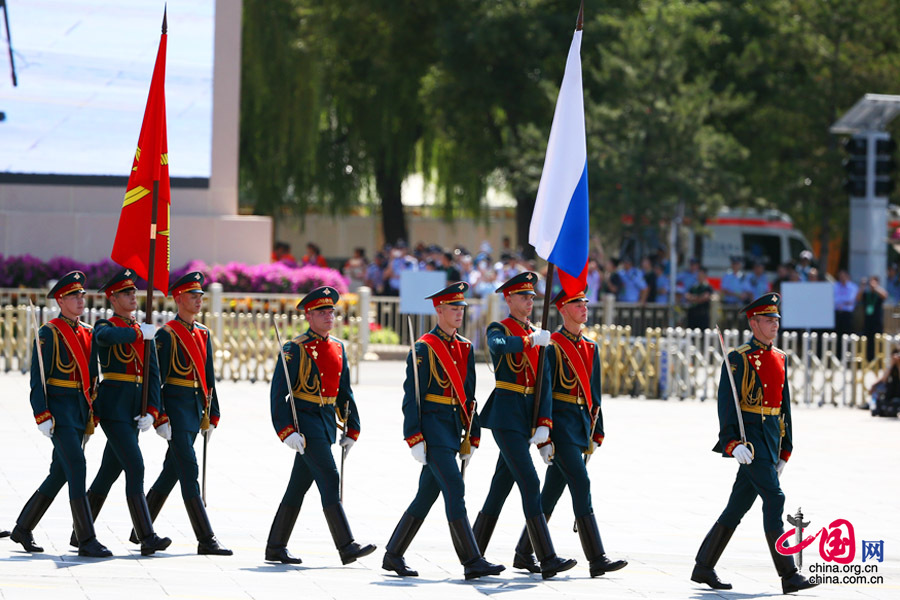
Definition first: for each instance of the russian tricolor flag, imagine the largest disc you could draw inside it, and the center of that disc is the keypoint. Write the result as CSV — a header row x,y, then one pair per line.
x,y
559,225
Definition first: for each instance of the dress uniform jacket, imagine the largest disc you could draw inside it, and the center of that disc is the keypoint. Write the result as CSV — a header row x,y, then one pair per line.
x,y
443,420
571,410
320,379
120,346
511,404
66,400
760,375
182,392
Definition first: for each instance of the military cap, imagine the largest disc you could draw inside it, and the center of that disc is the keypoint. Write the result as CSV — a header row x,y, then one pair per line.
x,y
766,305
523,283
319,298
69,283
121,281
189,282
562,298
453,294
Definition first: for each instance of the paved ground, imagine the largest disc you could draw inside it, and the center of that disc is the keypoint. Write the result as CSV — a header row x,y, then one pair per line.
x,y
656,489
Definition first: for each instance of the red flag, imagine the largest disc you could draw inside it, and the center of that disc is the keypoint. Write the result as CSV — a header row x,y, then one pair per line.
x,y
131,248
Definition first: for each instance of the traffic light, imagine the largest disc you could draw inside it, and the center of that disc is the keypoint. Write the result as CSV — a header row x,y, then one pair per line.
x,y
855,166
884,167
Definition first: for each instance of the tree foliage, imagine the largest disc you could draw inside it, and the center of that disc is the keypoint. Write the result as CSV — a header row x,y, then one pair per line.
x,y
697,102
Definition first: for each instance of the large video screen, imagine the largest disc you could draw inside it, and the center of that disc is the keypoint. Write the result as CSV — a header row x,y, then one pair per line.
x,y
84,70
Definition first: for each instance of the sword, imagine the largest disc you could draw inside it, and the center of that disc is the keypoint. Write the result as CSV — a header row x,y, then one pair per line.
x,y
40,356
466,441
289,397
415,364
205,445
344,449
737,402
798,523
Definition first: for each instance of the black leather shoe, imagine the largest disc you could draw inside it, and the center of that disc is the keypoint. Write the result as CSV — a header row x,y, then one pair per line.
x,y
528,563
281,554
23,536
4,533
93,549
154,543
352,551
212,546
602,565
481,568
795,583
397,564
709,577
552,566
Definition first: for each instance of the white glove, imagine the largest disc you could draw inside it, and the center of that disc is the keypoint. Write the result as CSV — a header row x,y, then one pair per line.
x,y
541,435
208,433
547,453
346,442
144,423
780,466
296,442
742,454
46,427
418,452
164,431
148,330
540,337
465,457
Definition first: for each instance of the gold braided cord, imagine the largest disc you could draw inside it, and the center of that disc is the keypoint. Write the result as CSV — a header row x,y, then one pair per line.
x,y
57,358
124,353
303,371
442,380
566,382
748,382
183,368
514,366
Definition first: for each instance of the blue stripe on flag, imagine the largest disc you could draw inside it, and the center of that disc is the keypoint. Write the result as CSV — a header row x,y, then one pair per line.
x,y
570,252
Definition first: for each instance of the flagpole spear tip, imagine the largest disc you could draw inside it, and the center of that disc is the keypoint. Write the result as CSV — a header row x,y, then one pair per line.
x,y
579,25
164,26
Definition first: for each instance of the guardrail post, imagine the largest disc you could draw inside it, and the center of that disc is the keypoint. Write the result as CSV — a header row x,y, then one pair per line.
x,y
609,309
365,309
215,308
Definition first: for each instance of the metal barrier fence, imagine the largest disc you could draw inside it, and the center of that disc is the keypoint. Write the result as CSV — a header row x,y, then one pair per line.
x,y
639,356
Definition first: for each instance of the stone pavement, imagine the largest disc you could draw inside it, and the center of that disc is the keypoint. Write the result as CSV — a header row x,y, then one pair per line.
x,y
657,488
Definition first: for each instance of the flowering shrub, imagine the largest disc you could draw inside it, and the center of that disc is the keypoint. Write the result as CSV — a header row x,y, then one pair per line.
x,y
29,272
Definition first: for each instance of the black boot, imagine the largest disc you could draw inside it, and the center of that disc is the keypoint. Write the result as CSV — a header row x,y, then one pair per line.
x,y
28,519
396,547
551,564
483,530
473,562
206,539
143,526
84,530
343,538
280,533
524,557
593,547
791,579
708,555
96,502
155,502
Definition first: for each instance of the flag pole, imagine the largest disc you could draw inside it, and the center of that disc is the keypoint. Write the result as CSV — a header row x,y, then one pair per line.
x,y
148,316
539,371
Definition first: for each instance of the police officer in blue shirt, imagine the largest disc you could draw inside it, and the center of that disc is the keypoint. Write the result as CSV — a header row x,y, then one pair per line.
x,y
732,286
445,399
574,362
61,397
508,413
319,379
119,341
184,348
